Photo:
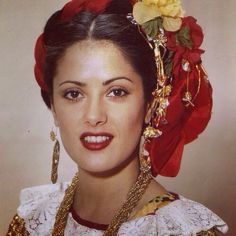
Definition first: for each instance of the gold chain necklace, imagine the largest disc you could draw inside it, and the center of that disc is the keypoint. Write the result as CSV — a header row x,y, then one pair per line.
x,y
133,197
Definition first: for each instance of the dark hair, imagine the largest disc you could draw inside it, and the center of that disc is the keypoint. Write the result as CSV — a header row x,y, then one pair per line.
x,y
111,25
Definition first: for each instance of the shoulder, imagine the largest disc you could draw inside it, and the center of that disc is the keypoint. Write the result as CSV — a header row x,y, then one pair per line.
x,y
190,217
179,217
38,206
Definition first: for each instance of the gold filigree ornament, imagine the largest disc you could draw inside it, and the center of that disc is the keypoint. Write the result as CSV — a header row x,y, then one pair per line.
x,y
154,17
144,157
188,98
151,132
156,114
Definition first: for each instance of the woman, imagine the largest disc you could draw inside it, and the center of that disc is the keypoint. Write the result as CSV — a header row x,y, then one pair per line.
x,y
126,91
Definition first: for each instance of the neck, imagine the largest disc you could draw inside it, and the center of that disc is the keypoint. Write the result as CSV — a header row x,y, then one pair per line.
x,y
98,197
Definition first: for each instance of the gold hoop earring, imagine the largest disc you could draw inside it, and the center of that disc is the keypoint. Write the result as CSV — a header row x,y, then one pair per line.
x,y
55,157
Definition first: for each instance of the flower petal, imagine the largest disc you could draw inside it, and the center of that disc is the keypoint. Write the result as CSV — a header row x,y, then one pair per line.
x,y
171,10
143,13
172,24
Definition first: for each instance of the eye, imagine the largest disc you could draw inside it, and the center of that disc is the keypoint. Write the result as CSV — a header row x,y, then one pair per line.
x,y
117,92
73,95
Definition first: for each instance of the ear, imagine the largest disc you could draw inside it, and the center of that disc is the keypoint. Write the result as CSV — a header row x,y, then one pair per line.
x,y
54,114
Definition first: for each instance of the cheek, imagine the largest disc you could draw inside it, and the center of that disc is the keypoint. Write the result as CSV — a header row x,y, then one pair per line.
x,y
69,132
131,130
67,122
132,119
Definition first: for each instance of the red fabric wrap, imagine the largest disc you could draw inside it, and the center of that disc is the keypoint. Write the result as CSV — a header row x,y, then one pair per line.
x,y
39,54
184,123
75,6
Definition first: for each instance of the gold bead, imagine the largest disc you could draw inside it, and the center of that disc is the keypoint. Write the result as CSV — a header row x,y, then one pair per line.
x,y
52,136
187,97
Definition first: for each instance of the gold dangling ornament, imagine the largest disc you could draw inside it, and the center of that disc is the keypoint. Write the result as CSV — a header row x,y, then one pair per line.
x,y
55,157
144,158
156,114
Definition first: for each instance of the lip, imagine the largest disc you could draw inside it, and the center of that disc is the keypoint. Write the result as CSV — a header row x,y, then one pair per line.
x,y
95,146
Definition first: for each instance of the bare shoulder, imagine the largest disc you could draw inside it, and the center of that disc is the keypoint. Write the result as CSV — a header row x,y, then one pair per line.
x,y
154,189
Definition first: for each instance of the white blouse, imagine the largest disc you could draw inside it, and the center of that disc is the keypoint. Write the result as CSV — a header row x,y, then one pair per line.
x,y
38,208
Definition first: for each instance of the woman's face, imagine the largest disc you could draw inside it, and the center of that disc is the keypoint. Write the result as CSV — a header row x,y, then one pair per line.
x,y
98,105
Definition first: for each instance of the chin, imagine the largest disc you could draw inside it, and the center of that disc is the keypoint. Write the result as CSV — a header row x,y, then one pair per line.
x,y
103,169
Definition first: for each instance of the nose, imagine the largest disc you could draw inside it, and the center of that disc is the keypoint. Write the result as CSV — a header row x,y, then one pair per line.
x,y
95,113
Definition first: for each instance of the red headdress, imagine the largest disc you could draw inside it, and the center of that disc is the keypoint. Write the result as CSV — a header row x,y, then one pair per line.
x,y
182,102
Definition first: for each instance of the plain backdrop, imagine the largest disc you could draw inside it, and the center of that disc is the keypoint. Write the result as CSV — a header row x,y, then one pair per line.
x,y
208,171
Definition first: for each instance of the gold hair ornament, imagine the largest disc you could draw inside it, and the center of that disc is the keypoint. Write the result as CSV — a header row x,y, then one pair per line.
x,y
157,109
153,19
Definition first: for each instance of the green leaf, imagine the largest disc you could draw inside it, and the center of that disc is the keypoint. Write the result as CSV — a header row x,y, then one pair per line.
x,y
151,27
168,69
183,38
170,55
168,63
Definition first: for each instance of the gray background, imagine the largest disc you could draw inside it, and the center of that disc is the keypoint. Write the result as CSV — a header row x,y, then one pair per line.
x,y
208,170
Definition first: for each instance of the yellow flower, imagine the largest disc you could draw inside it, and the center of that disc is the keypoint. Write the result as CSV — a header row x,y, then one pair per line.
x,y
169,10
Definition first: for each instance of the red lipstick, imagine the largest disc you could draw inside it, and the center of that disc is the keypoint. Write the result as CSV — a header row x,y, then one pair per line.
x,y
95,141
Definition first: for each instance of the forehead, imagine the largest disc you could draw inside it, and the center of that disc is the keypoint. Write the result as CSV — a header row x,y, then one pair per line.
x,y
94,58
84,49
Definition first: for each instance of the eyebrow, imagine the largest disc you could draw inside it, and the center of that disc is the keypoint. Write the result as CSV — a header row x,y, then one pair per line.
x,y
107,82
116,78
